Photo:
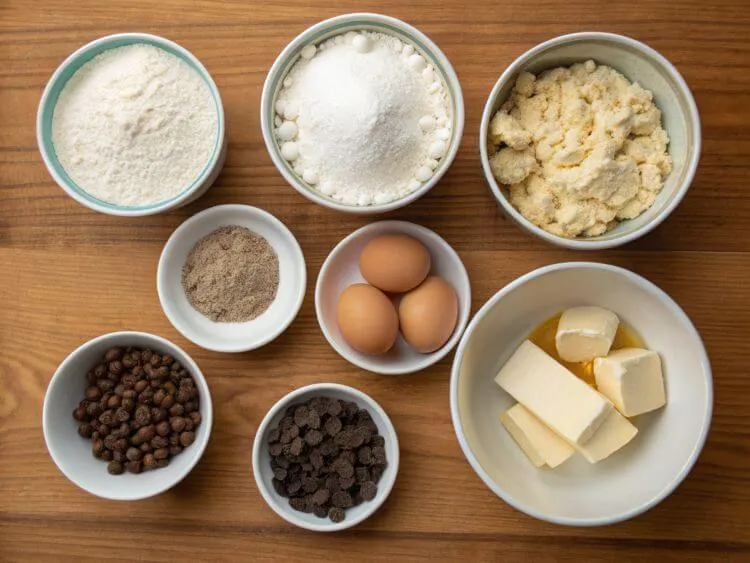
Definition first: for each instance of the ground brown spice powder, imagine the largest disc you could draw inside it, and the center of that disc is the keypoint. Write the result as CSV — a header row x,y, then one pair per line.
x,y
231,275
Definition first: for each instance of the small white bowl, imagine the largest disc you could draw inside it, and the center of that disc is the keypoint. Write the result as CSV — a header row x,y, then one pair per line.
x,y
231,337
72,453
46,110
639,63
341,269
262,459
337,26
577,493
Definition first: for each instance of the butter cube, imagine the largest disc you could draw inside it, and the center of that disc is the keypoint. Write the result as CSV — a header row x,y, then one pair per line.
x,y
540,444
631,378
553,394
614,433
585,333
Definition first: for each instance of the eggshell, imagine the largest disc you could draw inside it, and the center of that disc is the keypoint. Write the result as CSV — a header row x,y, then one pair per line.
x,y
428,314
367,319
394,263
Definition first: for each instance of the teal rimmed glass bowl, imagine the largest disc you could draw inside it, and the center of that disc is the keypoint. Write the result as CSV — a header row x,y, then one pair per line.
x,y
337,26
51,93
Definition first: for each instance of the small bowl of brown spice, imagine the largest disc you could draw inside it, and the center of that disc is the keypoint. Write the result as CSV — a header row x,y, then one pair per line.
x,y
231,278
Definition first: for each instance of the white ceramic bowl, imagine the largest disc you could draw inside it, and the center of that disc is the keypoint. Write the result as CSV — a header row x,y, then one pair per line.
x,y
232,337
577,493
72,453
341,269
57,82
639,63
337,26
262,459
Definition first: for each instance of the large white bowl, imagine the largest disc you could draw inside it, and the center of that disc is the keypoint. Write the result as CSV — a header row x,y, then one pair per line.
x,y
577,493
341,269
337,26
232,337
72,453
262,458
639,63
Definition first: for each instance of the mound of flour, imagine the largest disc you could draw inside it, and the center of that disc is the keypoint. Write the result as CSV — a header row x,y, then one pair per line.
x,y
134,126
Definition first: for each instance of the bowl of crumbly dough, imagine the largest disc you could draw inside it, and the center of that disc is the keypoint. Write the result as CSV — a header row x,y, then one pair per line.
x,y
590,140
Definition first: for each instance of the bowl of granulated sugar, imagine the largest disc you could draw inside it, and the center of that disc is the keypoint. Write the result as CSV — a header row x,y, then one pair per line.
x,y
362,113
132,124
231,278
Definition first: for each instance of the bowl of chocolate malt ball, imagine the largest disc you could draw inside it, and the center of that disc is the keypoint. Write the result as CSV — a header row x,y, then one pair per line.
x,y
325,457
127,415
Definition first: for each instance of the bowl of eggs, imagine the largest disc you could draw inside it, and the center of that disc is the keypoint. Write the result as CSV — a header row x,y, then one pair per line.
x,y
393,298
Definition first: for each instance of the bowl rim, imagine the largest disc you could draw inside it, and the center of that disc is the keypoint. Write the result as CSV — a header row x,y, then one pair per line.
x,y
463,294
384,486
499,491
158,342
181,231
279,65
679,191
211,167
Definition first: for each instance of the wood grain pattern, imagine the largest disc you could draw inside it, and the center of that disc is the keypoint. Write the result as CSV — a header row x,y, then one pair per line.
x,y
69,274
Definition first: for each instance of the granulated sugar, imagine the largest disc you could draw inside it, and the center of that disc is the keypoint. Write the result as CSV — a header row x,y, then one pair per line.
x,y
363,118
135,125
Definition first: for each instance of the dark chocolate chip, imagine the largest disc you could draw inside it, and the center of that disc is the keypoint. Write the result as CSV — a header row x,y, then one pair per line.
x,y
296,446
341,499
321,496
294,487
361,474
298,504
364,455
378,454
313,420
368,490
300,416
376,471
313,437
279,487
336,514
333,426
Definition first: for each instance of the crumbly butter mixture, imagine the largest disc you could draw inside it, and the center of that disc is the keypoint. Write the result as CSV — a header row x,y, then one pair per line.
x,y
580,149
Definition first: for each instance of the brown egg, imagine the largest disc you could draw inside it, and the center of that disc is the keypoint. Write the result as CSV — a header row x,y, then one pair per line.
x,y
367,319
394,263
428,314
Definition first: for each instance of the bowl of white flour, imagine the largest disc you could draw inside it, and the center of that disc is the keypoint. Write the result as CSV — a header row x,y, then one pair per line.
x,y
132,124
362,113
590,140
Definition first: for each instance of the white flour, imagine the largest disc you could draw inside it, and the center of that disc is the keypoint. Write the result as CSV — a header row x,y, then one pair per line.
x,y
134,126
363,118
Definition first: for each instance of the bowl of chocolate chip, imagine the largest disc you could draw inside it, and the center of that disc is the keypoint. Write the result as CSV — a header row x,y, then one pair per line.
x,y
325,457
127,415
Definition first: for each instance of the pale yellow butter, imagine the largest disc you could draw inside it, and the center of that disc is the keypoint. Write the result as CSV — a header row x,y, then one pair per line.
x,y
613,434
553,394
540,444
632,379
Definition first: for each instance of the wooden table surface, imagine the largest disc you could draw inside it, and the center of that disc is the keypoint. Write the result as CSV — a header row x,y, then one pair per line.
x,y
69,274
